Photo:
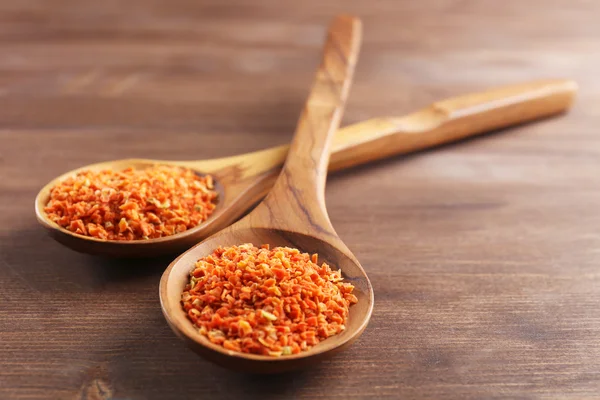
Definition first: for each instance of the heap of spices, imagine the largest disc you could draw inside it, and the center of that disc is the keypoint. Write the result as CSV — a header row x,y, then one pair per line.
x,y
266,301
132,204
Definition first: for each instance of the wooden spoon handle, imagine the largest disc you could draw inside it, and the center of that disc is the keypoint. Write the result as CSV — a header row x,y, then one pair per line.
x,y
440,123
450,120
300,188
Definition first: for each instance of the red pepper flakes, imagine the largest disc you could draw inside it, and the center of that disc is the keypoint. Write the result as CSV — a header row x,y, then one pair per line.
x,y
269,302
132,204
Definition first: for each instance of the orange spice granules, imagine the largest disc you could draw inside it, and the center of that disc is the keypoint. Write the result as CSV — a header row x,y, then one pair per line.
x,y
132,204
269,302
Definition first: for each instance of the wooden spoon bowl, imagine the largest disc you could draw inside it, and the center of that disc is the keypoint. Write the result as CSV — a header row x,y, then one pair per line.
x,y
177,276
137,248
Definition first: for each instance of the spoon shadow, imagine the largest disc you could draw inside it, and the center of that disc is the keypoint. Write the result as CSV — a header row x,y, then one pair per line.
x,y
282,386
33,259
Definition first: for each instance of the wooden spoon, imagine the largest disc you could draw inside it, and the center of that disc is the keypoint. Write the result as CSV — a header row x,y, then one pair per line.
x,y
244,179
293,214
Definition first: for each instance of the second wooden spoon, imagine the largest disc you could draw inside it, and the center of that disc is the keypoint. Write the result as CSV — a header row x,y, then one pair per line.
x,y
245,179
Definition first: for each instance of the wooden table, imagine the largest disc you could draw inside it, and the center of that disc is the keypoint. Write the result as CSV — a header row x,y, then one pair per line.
x,y
484,256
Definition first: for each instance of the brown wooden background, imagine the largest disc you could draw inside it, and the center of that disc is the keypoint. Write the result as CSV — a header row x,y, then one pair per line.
x,y
484,256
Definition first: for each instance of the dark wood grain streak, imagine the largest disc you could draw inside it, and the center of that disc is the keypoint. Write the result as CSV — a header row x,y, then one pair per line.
x,y
493,290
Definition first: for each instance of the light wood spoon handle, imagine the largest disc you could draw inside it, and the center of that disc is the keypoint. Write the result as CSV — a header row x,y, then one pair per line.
x,y
450,120
300,188
440,123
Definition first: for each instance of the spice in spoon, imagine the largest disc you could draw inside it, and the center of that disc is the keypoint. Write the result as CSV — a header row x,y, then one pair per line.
x,y
266,301
132,204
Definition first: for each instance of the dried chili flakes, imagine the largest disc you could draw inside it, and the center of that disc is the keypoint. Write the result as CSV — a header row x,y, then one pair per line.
x,y
266,301
132,204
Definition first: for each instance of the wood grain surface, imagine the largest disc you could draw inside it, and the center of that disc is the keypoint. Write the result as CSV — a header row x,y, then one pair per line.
x,y
484,256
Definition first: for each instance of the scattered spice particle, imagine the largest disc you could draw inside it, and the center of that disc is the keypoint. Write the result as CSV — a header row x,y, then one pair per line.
x,y
266,301
132,204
